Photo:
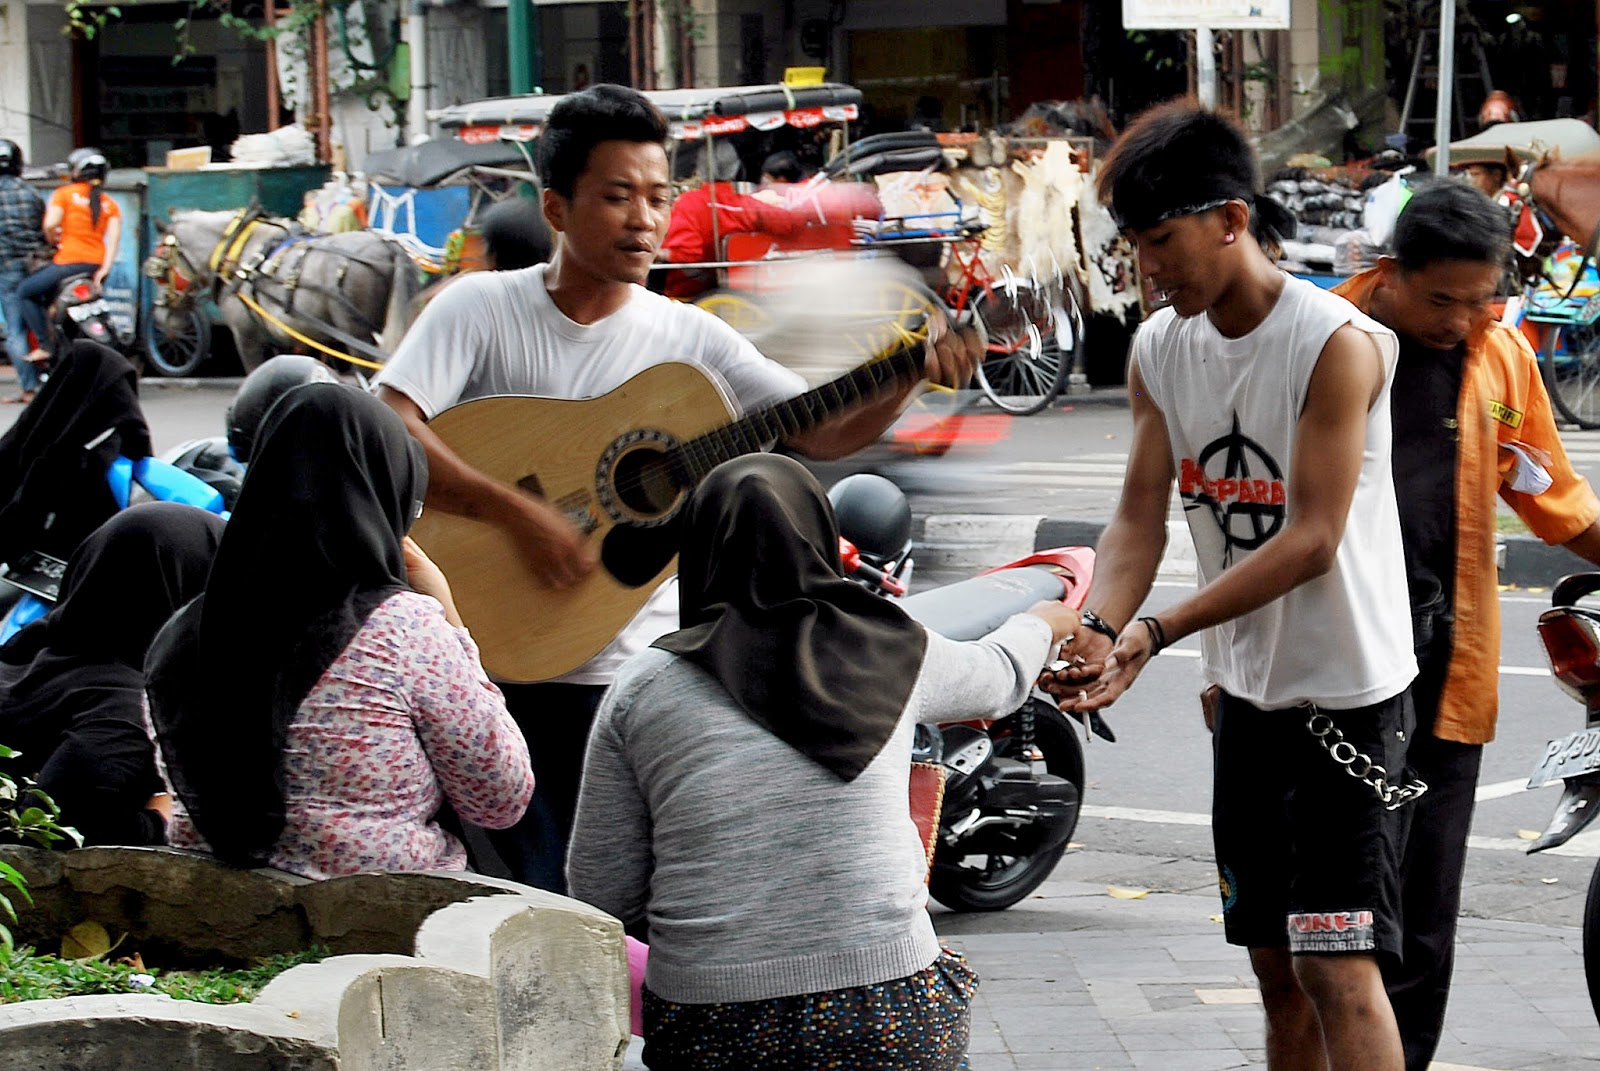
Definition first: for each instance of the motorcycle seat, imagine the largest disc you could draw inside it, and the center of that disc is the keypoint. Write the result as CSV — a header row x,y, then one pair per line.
x,y
971,609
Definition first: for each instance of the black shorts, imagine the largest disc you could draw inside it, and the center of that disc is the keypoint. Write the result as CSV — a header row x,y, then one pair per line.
x,y
1307,856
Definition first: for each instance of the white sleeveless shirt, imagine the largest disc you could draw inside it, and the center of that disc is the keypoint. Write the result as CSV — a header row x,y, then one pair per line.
x,y
1232,406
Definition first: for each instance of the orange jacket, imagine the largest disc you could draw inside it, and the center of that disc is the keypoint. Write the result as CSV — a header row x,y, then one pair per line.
x,y
1503,400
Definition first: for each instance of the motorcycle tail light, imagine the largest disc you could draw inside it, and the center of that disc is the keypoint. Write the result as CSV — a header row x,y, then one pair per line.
x,y
1573,647
82,292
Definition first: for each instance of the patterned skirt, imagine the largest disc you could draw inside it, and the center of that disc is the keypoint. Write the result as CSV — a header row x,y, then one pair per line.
x,y
917,1023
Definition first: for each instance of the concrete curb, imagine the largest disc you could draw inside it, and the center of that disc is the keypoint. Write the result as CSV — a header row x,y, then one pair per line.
x,y
970,542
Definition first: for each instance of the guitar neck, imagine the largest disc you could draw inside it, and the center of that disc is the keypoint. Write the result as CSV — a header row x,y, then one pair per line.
x,y
697,457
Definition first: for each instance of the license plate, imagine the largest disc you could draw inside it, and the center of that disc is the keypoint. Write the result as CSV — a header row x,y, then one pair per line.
x,y
36,572
87,311
1571,756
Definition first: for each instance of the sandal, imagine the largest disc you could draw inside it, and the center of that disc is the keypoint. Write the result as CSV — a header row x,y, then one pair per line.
x,y
18,399
38,357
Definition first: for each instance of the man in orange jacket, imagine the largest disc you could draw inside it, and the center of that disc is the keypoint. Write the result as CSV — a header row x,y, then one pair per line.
x,y
1471,420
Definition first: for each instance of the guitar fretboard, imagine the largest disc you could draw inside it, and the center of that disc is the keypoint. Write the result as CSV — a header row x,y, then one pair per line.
x,y
693,459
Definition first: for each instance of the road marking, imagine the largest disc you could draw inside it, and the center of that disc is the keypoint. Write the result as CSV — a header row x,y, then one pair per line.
x,y
1501,789
1140,814
1583,846
1506,671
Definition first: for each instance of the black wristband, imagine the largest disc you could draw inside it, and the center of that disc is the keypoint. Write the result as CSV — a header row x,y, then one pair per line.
x,y
1158,635
1091,620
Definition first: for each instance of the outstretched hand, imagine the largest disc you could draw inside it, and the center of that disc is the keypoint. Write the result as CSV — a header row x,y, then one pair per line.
x,y
1095,686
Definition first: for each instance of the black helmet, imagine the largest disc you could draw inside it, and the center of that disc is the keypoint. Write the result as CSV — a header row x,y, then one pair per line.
x,y
260,391
87,165
874,515
10,157
211,461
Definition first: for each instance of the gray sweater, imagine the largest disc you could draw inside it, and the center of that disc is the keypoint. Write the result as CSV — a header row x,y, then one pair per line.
x,y
761,873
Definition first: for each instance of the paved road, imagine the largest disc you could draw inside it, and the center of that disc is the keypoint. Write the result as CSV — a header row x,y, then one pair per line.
x,y
1078,979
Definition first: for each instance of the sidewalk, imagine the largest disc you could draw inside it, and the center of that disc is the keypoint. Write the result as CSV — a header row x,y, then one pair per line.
x,y
1151,984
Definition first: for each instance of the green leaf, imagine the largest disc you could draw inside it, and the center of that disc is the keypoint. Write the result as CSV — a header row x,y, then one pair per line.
x,y
15,877
85,941
8,753
33,816
5,939
5,905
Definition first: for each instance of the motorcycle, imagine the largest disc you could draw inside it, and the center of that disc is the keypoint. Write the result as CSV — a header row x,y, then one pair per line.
x,y
1013,786
1571,637
79,311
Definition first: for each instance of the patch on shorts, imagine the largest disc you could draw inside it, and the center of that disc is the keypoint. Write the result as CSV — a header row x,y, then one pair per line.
x,y
1331,931
1228,887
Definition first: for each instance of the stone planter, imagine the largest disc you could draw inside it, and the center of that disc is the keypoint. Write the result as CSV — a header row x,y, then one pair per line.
x,y
431,971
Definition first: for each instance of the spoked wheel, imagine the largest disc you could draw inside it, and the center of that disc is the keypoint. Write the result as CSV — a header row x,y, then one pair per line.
x,y
180,346
1024,370
1571,363
994,881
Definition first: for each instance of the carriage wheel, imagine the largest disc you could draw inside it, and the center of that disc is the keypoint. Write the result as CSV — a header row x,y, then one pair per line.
x,y
1570,360
737,311
1024,369
184,349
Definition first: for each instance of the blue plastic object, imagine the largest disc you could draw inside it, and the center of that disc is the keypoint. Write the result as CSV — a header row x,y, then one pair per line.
x,y
148,479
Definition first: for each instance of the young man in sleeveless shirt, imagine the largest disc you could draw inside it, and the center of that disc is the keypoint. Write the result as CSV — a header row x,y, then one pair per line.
x,y
579,327
1267,399
1472,424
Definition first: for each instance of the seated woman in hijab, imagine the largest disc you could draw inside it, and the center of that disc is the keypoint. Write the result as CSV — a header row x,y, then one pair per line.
x,y
745,792
319,704
73,682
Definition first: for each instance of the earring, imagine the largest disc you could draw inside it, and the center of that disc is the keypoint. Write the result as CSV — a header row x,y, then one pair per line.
x,y
1227,239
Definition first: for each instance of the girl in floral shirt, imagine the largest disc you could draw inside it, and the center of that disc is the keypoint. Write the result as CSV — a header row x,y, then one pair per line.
x,y
317,707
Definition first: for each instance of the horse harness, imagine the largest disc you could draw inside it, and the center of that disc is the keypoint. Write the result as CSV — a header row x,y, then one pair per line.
x,y
175,274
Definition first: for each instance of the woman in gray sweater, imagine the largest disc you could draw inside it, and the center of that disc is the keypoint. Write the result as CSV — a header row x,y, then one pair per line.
x,y
745,793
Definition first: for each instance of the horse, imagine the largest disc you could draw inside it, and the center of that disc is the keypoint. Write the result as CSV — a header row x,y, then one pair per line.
x,y
271,282
1568,191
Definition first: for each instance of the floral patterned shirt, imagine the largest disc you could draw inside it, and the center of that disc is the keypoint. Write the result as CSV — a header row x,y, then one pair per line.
x,y
404,719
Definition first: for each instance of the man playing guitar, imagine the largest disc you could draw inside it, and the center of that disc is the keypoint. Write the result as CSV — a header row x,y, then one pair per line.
x,y
578,328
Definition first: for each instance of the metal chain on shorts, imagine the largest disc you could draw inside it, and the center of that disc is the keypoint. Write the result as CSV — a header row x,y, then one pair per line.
x,y
1360,766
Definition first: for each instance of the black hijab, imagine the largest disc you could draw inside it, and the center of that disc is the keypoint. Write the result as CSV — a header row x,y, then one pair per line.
x,y
312,549
53,460
817,660
121,585
79,670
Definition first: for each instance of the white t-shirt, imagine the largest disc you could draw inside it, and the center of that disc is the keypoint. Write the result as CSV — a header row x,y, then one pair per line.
x,y
1232,408
495,333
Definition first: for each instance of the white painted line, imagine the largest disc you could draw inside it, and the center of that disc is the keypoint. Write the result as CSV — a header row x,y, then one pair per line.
x,y
1583,846
1509,671
1140,814
1501,789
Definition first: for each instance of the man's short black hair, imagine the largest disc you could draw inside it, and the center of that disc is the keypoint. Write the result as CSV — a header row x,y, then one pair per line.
x,y
1177,159
1451,221
582,120
784,166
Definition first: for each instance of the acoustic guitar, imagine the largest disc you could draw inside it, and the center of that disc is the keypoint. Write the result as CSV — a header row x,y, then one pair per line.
x,y
620,467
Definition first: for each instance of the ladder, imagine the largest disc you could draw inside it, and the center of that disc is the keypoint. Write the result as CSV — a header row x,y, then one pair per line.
x,y
1468,46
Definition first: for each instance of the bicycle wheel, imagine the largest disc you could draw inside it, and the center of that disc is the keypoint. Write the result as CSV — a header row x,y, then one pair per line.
x,y
1570,360
1024,370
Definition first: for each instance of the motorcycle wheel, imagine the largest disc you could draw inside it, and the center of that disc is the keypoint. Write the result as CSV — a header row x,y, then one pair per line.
x,y
183,351
995,882
1591,941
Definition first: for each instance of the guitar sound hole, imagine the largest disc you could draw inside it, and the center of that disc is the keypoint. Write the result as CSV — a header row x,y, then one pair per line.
x,y
644,483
